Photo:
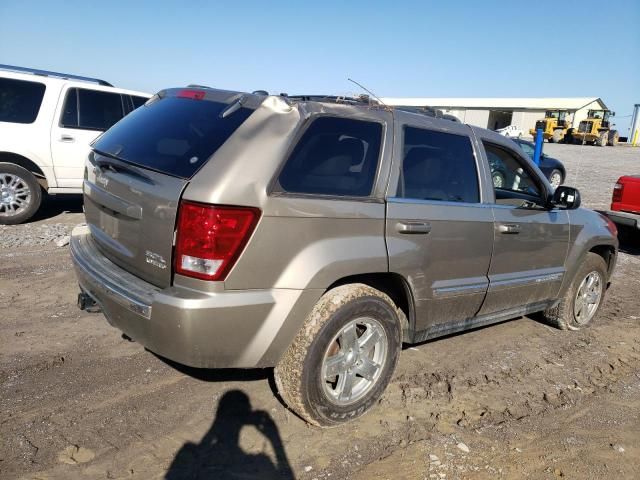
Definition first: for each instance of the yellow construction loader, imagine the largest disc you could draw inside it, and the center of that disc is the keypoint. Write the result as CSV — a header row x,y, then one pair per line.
x,y
554,126
596,129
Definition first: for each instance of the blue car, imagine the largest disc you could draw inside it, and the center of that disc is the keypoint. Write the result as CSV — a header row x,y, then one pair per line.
x,y
552,167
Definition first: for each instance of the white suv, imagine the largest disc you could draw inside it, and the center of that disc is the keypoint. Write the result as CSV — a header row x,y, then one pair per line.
x,y
47,121
510,132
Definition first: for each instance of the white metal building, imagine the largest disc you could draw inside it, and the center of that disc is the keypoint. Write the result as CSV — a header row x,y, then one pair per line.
x,y
496,113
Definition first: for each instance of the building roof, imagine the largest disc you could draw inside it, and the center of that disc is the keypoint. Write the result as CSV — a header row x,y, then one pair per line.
x,y
573,103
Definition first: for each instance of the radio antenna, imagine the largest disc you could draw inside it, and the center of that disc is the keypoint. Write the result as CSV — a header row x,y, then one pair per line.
x,y
369,92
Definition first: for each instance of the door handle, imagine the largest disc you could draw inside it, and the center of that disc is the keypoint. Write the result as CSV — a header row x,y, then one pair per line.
x,y
413,227
67,138
509,228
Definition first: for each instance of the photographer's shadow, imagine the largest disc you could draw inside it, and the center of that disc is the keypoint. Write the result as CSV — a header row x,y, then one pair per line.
x,y
219,456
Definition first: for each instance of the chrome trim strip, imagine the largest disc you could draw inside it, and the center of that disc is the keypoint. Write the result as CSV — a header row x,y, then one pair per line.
x,y
438,202
523,281
446,292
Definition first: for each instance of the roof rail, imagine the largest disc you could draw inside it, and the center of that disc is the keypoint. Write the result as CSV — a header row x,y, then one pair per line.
x,y
429,112
45,73
359,100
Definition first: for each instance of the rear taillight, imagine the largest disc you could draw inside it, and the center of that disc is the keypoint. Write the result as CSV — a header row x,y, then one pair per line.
x,y
210,238
617,192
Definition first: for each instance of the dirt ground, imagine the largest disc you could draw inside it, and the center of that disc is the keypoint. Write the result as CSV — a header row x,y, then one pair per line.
x,y
515,400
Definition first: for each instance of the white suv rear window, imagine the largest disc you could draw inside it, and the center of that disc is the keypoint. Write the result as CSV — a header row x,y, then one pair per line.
x,y
20,100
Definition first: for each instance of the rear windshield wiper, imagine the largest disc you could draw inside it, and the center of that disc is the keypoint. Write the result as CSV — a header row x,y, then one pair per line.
x,y
118,165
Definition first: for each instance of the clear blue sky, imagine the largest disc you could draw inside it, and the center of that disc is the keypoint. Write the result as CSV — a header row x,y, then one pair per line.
x,y
396,48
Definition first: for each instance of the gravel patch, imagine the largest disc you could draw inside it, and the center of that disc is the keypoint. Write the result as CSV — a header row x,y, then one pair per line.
x,y
34,235
594,170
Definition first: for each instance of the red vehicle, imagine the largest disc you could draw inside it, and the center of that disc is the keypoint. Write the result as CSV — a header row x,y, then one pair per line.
x,y
625,204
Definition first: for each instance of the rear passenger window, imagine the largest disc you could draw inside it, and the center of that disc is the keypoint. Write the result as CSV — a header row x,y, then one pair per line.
x,y
20,100
91,109
438,166
99,110
335,156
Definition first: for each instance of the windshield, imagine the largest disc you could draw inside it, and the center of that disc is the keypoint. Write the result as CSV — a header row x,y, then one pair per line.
x,y
171,135
528,149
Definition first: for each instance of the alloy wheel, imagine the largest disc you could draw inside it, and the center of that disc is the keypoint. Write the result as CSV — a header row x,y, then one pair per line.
x,y
556,179
354,361
588,298
15,195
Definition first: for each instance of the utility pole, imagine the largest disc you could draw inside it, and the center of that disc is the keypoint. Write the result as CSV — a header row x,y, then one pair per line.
x,y
634,131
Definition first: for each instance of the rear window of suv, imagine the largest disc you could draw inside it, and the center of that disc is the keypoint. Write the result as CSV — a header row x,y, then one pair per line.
x,y
20,100
335,156
171,135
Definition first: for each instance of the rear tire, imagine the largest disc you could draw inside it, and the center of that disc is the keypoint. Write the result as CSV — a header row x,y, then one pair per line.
x,y
613,138
20,194
354,330
568,138
582,300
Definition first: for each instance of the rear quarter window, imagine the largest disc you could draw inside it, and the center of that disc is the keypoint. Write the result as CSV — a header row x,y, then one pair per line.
x,y
334,156
20,100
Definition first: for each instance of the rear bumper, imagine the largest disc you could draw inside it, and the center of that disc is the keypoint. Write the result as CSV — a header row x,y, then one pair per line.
x,y
623,218
229,329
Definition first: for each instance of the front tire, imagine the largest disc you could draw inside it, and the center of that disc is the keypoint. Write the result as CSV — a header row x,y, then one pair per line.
x,y
557,136
602,139
584,297
344,356
20,194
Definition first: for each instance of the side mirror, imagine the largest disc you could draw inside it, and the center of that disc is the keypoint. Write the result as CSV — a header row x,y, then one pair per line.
x,y
566,197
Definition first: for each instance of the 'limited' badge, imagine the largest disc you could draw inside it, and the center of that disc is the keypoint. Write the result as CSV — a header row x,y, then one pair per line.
x,y
155,259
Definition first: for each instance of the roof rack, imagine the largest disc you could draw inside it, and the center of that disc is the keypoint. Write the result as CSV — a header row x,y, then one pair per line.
x,y
359,100
46,73
429,112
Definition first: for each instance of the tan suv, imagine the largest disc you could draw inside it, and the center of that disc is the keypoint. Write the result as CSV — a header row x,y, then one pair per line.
x,y
319,234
